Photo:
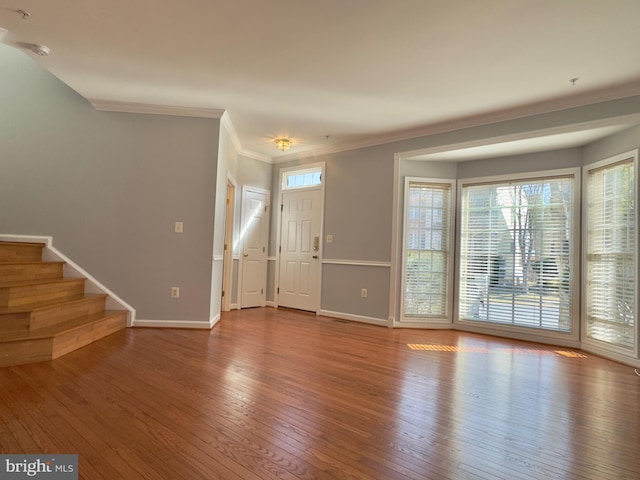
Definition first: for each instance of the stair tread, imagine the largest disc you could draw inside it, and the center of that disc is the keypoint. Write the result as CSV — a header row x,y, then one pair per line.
x,y
32,307
60,328
32,262
44,281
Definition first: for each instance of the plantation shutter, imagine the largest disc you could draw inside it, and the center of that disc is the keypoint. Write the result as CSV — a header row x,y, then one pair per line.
x,y
515,253
427,252
611,244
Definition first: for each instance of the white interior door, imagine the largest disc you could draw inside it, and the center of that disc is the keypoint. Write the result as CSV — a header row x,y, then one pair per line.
x,y
255,235
300,249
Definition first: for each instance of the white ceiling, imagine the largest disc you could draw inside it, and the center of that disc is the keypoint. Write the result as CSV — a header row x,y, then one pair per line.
x,y
335,74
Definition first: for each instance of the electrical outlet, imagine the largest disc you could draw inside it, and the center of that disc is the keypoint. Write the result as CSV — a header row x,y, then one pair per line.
x,y
179,227
363,293
175,292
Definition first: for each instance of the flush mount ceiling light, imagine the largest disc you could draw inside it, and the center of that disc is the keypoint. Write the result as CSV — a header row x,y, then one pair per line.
x,y
283,144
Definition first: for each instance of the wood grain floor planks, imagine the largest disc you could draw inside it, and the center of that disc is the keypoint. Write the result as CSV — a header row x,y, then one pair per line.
x,y
278,394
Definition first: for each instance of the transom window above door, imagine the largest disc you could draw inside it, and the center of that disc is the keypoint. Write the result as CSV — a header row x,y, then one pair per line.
x,y
303,178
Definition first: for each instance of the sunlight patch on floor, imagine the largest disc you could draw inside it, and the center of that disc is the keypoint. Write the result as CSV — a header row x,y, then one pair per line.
x,y
463,349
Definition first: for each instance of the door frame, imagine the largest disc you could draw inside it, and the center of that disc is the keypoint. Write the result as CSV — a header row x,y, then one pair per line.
x,y
267,193
229,234
281,191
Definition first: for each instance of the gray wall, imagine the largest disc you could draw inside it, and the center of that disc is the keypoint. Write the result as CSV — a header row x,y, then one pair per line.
x,y
357,210
108,188
254,173
533,162
421,168
615,144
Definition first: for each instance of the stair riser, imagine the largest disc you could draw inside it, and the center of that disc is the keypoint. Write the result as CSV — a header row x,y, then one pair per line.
x,y
17,272
14,322
48,292
20,252
69,341
67,311
25,351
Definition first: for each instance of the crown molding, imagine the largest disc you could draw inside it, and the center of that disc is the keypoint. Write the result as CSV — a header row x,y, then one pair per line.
x,y
256,156
151,109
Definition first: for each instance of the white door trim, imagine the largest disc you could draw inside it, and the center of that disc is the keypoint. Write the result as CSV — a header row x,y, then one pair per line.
x,y
229,236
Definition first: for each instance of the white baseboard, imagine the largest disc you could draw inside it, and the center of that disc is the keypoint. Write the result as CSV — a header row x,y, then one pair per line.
x,y
26,238
424,325
532,336
190,324
355,318
610,354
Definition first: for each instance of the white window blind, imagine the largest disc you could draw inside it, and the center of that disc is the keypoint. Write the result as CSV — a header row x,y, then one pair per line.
x,y
426,250
611,253
515,256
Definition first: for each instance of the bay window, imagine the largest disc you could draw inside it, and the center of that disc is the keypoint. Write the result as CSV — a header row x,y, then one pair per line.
x,y
517,261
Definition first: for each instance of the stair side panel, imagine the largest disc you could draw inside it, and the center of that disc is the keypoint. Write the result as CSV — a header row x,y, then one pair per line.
x,y
76,338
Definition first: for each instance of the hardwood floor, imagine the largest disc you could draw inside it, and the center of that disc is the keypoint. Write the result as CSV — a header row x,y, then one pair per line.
x,y
276,394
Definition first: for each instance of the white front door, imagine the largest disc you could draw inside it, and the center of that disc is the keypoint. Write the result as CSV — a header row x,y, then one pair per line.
x,y
254,235
300,249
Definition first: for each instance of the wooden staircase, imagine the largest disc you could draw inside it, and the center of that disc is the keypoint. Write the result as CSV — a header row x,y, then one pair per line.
x,y
42,314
